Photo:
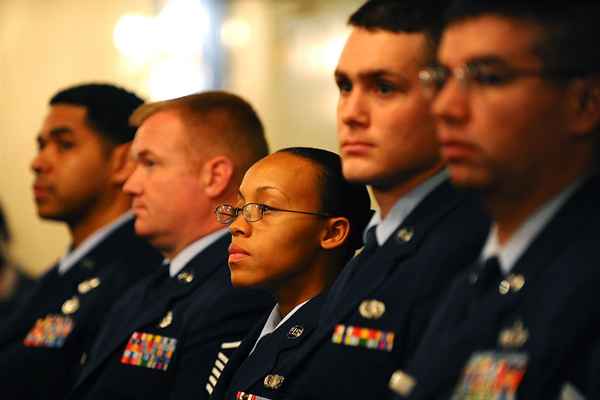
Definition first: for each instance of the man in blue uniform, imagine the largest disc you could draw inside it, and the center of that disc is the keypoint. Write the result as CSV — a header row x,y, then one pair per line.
x,y
172,334
425,232
517,99
80,168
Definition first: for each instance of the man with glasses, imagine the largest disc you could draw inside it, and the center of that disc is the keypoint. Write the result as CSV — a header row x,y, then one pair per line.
x,y
425,232
518,115
172,335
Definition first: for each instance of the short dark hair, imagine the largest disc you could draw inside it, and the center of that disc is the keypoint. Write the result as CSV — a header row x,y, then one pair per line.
x,y
570,28
408,16
239,128
338,196
108,108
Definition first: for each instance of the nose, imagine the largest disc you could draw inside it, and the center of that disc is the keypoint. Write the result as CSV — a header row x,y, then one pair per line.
x,y
451,103
240,227
353,108
133,185
40,162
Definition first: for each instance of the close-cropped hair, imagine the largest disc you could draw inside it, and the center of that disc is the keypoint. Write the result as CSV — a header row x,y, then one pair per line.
x,y
338,197
570,29
108,108
402,16
238,129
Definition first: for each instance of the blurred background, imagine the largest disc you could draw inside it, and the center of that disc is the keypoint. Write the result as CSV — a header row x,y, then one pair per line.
x,y
278,54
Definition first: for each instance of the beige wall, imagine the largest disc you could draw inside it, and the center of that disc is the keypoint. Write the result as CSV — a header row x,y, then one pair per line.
x,y
46,45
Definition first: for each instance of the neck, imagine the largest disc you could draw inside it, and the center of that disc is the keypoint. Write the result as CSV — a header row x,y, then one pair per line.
x,y
185,239
101,216
387,196
511,209
300,288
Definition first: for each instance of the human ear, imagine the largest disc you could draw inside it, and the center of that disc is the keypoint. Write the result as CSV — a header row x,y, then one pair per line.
x,y
121,164
335,233
216,175
584,106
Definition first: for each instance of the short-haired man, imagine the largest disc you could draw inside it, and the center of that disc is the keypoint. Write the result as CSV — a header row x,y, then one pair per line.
x,y
80,168
425,232
173,333
518,115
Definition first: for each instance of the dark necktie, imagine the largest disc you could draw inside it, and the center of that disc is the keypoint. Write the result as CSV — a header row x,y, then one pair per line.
x,y
337,289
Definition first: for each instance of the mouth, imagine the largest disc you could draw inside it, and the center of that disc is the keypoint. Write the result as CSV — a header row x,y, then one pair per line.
x,y
40,191
236,253
355,147
454,150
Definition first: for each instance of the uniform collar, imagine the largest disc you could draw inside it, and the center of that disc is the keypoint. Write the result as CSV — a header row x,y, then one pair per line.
x,y
403,207
275,321
185,255
74,256
509,253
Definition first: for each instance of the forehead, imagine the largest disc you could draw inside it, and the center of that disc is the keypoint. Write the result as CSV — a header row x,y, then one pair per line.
x,y
65,116
367,50
489,36
294,176
162,130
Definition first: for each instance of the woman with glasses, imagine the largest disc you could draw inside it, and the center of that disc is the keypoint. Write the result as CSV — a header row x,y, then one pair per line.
x,y
296,224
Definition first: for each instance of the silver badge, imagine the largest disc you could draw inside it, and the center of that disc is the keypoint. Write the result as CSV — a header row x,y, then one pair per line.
x,y
371,309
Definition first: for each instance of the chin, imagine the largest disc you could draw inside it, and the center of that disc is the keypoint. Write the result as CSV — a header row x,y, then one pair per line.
x,y
467,178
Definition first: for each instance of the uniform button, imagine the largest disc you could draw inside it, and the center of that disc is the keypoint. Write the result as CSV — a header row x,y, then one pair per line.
x,y
83,359
517,282
405,234
504,287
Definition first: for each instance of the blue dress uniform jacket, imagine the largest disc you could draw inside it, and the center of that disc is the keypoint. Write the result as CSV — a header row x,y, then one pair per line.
x,y
258,373
165,336
387,304
525,335
41,347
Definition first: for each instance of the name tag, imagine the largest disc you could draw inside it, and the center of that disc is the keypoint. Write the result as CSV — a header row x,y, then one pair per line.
x,y
357,336
149,351
50,331
492,376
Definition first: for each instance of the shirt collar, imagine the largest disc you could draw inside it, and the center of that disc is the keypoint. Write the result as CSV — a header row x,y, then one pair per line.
x,y
73,257
509,253
185,255
275,321
403,207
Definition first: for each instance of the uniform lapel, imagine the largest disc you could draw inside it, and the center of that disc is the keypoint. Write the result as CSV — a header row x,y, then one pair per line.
x,y
264,360
151,300
401,245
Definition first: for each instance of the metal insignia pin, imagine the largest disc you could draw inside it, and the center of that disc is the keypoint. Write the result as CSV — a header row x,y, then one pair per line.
x,y
186,277
371,309
70,306
88,285
167,320
515,336
401,383
273,381
295,331
405,234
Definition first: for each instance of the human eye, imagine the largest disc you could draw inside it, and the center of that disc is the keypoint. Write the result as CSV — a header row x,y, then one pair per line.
x,y
384,87
488,75
65,144
146,162
344,85
41,143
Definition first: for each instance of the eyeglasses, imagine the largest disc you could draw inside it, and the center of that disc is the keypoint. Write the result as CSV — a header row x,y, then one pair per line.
x,y
481,75
252,212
